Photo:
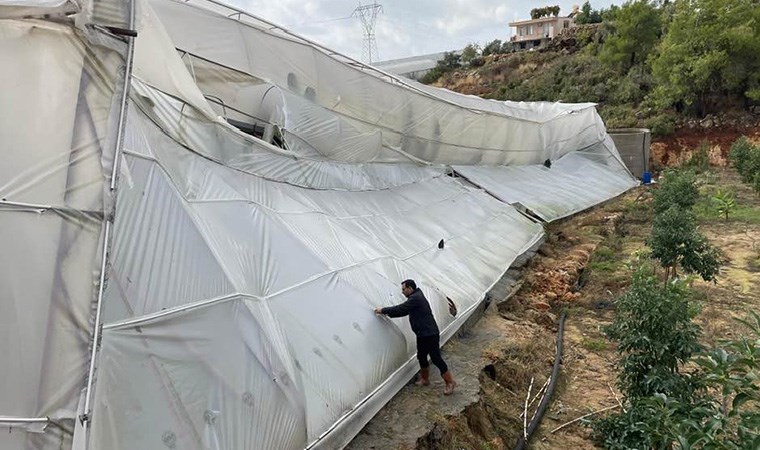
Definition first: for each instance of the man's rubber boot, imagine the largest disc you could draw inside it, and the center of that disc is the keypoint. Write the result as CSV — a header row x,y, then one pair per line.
x,y
424,379
450,383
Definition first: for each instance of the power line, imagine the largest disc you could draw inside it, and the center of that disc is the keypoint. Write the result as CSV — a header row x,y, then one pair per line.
x,y
317,22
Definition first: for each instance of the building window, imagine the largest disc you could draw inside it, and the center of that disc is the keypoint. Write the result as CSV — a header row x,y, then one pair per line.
x,y
530,29
565,24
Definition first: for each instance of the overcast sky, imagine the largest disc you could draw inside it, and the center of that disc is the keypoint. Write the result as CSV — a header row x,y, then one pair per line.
x,y
405,27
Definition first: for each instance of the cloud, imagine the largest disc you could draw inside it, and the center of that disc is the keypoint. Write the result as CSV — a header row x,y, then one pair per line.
x,y
404,28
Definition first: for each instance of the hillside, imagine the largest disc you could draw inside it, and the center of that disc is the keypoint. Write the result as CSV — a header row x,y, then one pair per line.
x,y
641,68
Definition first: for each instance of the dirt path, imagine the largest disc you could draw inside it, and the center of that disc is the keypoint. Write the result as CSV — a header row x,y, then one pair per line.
x,y
582,268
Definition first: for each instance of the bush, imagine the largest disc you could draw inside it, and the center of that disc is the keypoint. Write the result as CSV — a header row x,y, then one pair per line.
x,y
618,116
645,424
745,157
677,189
675,241
655,335
720,408
470,52
492,48
660,124
700,159
433,75
724,202
739,153
450,61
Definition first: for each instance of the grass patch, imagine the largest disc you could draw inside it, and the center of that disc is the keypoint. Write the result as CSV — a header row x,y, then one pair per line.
x,y
595,345
607,257
604,253
747,209
754,264
707,212
604,266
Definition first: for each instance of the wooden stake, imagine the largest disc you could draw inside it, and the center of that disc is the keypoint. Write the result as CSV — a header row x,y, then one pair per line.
x,y
538,394
616,397
525,412
583,417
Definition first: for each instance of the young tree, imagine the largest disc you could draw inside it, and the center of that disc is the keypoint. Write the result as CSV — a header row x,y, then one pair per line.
x,y
655,335
724,202
719,409
740,154
675,241
677,189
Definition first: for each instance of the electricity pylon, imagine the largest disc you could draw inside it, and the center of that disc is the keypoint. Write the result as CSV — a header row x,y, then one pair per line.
x,y
368,15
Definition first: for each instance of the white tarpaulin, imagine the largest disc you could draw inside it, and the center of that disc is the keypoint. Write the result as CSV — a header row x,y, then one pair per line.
x,y
573,183
58,121
242,263
432,125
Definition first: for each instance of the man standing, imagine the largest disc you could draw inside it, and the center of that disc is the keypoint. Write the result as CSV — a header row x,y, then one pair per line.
x,y
423,324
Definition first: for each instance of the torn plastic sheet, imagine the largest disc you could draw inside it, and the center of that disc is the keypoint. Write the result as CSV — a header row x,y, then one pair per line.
x,y
573,183
305,321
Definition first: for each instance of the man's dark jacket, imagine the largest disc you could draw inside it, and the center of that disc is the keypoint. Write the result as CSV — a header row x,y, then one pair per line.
x,y
420,316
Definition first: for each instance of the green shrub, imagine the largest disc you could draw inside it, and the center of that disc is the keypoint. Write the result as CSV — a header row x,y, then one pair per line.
x,y
739,153
660,125
618,116
719,408
678,188
655,335
492,48
700,159
675,241
432,76
724,202
745,157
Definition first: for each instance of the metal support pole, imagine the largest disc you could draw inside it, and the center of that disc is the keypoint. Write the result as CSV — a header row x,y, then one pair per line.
x,y
86,418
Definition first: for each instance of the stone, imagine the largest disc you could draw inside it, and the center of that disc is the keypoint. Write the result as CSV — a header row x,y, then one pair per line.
x,y
547,319
542,306
546,250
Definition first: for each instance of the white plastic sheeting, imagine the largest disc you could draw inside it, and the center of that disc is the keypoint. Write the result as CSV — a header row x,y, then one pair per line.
x,y
58,114
27,8
242,273
429,124
239,310
575,182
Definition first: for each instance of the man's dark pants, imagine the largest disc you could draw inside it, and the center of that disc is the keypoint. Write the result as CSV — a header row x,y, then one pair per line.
x,y
429,345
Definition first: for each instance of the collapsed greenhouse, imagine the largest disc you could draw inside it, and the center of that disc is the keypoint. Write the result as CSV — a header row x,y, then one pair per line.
x,y
200,211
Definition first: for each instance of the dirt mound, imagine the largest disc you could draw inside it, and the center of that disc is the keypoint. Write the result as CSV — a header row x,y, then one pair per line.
x,y
678,148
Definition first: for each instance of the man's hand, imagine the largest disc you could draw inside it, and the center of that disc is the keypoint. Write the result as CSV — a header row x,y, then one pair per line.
x,y
379,311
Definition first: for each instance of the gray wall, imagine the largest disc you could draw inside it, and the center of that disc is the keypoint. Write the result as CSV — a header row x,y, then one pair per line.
x,y
633,145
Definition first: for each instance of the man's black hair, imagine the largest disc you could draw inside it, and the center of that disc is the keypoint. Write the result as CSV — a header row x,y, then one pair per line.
x,y
410,284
